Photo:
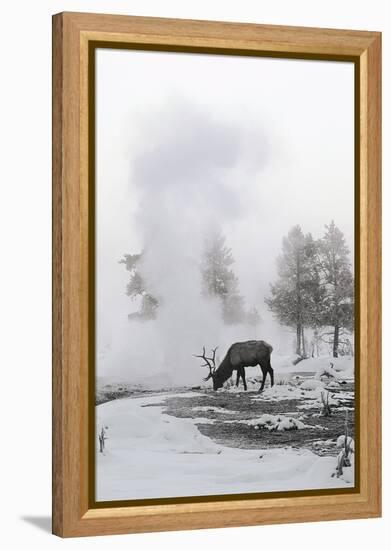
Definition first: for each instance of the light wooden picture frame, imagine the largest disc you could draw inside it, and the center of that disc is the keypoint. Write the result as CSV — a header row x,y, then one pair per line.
x,y
76,37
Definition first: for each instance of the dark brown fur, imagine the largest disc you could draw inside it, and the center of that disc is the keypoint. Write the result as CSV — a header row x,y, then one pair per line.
x,y
241,355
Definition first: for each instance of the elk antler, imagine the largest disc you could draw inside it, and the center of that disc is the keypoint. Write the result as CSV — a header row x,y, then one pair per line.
x,y
214,356
209,362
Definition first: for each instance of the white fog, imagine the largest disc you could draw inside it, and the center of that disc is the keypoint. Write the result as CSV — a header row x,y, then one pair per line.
x,y
190,145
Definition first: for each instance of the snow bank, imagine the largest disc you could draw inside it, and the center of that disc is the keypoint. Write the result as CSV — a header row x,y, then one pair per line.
x,y
309,392
282,362
341,442
149,454
345,459
275,423
279,393
326,371
311,384
141,426
342,365
314,399
333,385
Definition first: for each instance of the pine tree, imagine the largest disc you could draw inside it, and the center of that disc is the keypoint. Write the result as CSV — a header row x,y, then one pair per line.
x,y
136,287
219,279
293,297
233,309
315,292
253,319
338,299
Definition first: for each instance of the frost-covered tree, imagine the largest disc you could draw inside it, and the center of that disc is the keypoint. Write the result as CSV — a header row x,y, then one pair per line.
x,y
219,279
337,284
233,309
253,319
136,288
293,298
312,284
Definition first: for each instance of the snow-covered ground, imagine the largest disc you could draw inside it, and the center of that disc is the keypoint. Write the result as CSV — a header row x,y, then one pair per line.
x,y
343,366
342,369
150,454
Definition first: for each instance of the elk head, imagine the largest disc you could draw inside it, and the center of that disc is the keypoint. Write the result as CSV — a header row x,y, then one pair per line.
x,y
210,362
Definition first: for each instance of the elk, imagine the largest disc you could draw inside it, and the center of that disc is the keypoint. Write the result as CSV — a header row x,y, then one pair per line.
x,y
239,356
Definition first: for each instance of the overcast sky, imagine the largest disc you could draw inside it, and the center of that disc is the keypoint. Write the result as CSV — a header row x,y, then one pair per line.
x,y
249,145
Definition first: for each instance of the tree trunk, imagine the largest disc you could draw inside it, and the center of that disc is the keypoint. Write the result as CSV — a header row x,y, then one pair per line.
x,y
336,341
298,307
303,342
298,339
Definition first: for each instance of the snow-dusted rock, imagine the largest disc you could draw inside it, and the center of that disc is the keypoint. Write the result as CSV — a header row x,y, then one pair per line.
x,y
326,371
333,385
275,423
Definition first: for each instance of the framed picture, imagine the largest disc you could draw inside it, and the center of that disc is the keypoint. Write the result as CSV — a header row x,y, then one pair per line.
x,y
216,274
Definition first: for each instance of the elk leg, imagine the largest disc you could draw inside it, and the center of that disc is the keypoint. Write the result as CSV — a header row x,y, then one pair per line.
x,y
237,377
268,369
263,379
271,372
244,378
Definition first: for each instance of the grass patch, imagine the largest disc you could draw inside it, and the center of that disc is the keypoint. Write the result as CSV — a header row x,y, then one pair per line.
x,y
232,434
